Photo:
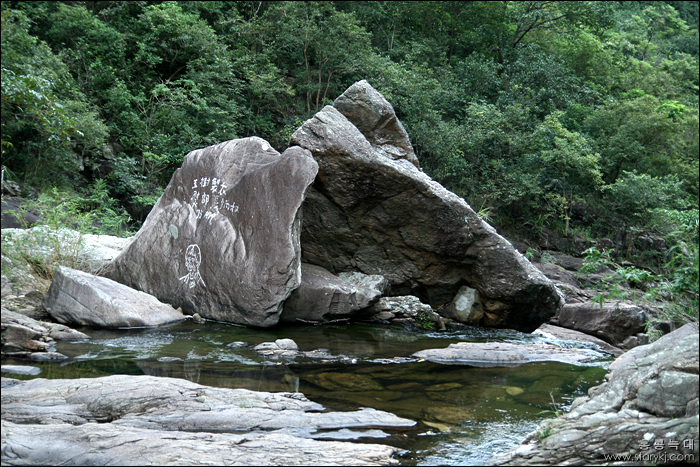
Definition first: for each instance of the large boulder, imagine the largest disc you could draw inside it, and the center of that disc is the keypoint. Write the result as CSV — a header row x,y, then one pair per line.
x,y
78,298
371,213
223,239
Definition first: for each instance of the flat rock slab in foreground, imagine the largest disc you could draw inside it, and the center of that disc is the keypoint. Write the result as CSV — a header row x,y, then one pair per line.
x,y
170,421
505,354
223,239
79,298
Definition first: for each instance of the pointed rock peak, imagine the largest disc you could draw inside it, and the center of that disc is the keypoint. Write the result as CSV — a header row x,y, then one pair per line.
x,y
374,116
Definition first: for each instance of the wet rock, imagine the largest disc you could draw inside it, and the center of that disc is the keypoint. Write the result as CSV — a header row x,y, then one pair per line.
x,y
646,406
223,239
279,348
20,370
176,422
288,349
406,310
323,297
370,213
26,337
80,298
494,354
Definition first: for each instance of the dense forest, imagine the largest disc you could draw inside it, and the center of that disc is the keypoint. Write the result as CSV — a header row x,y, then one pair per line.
x,y
577,117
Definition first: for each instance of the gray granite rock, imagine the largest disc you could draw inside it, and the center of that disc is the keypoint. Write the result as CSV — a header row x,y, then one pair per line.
x,y
499,354
371,213
323,297
79,298
223,239
613,322
170,421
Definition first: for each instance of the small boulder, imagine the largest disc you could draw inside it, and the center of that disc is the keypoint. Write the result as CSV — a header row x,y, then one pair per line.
x,y
324,297
23,336
465,307
82,299
406,310
613,322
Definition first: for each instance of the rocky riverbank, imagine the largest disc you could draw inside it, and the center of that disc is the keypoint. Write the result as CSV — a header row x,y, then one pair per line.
x,y
646,412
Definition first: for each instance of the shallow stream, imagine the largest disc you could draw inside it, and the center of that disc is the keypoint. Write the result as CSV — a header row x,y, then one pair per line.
x,y
466,414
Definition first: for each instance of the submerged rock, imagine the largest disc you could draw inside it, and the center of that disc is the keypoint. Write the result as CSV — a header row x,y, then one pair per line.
x,y
372,213
177,422
223,239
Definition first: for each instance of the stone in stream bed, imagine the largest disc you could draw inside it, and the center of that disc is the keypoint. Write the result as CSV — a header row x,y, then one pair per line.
x,y
648,399
177,422
492,354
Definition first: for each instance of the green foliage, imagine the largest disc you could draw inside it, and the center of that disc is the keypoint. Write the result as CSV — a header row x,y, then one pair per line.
x,y
47,127
596,260
425,322
683,267
677,282
532,111
636,195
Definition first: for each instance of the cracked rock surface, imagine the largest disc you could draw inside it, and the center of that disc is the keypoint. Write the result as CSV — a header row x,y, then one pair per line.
x,y
170,421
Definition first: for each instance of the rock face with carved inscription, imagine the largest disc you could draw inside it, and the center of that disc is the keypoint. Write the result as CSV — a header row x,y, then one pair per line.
x,y
223,239
372,210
